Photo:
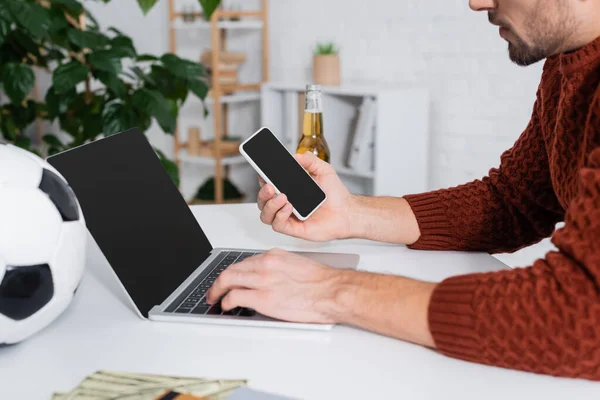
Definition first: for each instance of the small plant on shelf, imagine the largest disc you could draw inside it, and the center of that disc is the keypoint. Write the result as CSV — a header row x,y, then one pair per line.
x,y
326,64
326,49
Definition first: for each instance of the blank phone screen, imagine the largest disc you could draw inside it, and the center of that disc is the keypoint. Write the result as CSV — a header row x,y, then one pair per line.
x,y
275,161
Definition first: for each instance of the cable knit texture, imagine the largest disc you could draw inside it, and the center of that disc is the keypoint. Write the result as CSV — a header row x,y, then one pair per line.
x,y
544,318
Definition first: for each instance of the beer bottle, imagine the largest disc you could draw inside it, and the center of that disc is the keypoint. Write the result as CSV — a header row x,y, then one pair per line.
x,y
312,128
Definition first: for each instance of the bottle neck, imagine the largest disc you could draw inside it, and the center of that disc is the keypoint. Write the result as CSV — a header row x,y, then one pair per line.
x,y
312,124
314,102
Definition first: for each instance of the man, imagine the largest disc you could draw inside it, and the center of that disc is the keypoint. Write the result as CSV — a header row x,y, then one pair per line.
x,y
544,318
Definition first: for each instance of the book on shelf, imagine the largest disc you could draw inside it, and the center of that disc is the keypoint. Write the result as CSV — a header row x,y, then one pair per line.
x,y
362,137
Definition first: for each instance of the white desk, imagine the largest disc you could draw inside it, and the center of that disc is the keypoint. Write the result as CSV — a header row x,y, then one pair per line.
x,y
100,331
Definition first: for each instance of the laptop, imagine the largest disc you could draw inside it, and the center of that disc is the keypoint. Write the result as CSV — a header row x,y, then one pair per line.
x,y
149,236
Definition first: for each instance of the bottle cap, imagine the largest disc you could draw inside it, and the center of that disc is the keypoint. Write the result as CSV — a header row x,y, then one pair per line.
x,y
313,87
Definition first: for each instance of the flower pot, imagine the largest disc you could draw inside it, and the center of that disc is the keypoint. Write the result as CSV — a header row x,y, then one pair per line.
x,y
326,69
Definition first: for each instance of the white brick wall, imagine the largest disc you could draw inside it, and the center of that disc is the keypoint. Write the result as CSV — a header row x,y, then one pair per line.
x,y
481,102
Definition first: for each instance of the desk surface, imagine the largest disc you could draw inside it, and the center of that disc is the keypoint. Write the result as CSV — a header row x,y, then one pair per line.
x,y
101,331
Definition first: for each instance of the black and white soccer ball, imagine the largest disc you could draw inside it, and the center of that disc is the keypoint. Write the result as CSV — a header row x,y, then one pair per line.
x,y
42,244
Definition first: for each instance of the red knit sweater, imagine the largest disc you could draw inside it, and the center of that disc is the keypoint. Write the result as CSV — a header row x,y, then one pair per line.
x,y
544,318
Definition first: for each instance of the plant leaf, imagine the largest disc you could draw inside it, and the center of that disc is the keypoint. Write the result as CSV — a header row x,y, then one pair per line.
x,y
58,27
88,39
116,31
171,86
18,80
170,167
22,43
55,55
106,60
8,127
183,68
71,6
123,46
144,120
209,7
146,57
23,142
112,82
58,104
30,16
199,88
4,29
52,140
5,12
155,103
143,76
18,116
146,5
117,118
91,22
67,76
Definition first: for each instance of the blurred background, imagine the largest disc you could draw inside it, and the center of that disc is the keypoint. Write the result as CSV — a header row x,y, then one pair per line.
x,y
449,98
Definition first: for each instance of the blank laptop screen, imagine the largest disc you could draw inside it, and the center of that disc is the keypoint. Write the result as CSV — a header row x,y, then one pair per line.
x,y
136,214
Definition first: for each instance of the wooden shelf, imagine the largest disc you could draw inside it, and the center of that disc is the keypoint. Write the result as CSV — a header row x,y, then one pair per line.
x,y
221,21
239,14
230,25
228,89
193,104
235,98
346,89
184,156
223,13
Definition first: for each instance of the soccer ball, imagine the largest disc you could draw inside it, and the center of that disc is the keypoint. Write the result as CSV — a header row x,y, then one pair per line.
x,y
42,244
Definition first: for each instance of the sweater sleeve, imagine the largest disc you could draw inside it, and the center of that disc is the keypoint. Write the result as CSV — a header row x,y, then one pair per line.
x,y
545,318
515,206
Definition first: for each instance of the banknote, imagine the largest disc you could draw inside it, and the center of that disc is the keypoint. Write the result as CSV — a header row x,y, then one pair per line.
x,y
115,385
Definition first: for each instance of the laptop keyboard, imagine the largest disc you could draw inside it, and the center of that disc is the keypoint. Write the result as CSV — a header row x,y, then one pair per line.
x,y
194,302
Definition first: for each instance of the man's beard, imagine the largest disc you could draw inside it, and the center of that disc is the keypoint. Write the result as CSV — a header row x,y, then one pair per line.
x,y
548,36
523,54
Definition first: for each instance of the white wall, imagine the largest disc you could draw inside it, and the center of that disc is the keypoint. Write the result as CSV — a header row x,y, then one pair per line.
x,y
481,102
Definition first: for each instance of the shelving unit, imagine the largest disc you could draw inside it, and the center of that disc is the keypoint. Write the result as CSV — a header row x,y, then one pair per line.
x,y
401,139
226,99
209,161
220,95
249,24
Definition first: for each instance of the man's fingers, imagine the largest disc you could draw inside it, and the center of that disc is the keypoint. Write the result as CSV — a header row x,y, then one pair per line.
x,y
240,298
271,208
265,194
313,164
261,182
282,219
229,279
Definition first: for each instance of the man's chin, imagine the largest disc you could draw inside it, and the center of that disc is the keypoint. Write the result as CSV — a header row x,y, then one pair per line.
x,y
522,56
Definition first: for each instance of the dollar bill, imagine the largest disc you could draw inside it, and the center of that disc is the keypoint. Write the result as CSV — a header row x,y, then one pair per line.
x,y
114,385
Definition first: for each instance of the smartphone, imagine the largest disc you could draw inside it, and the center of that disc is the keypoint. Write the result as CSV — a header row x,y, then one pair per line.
x,y
277,166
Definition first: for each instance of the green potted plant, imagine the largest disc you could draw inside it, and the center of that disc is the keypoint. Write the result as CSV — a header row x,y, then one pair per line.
x,y
326,64
92,93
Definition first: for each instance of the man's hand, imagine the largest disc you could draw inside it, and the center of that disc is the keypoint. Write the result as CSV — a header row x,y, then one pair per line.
x,y
277,284
331,221
343,215
292,288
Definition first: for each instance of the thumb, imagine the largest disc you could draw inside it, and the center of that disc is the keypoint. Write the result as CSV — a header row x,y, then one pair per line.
x,y
313,164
